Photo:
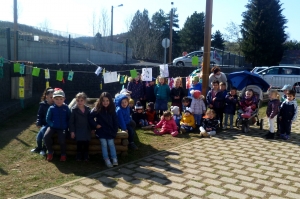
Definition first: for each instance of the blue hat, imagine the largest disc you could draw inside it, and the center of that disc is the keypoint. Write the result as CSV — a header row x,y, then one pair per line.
x,y
286,87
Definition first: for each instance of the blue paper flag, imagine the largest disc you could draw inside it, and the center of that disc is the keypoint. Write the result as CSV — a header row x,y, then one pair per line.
x,y
22,69
70,76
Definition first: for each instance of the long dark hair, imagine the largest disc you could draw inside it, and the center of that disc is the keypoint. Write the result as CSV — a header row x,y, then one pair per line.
x,y
46,92
99,107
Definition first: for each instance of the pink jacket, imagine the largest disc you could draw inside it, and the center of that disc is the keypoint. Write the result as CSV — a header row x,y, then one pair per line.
x,y
167,125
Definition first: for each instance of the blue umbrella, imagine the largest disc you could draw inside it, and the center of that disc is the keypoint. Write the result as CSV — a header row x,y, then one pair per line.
x,y
244,78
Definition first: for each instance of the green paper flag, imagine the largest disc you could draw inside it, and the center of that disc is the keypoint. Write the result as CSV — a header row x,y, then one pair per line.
x,y
16,67
35,71
133,73
195,61
1,61
1,72
59,75
122,79
70,76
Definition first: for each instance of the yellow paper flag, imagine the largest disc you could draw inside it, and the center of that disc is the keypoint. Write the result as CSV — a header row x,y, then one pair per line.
x,y
21,81
125,79
47,84
21,92
103,71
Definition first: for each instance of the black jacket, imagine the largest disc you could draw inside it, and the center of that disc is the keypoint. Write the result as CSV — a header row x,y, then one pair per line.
x,y
42,112
175,92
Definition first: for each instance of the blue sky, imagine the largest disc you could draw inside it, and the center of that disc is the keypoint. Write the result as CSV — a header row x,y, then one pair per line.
x,y
75,16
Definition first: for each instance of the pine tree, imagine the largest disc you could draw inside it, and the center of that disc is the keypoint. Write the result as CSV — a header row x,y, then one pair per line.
x,y
263,32
217,40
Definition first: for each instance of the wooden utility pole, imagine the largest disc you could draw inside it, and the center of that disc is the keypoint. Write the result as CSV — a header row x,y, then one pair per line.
x,y
15,30
171,34
207,43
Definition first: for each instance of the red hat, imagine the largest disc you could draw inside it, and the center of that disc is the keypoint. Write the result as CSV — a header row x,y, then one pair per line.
x,y
197,94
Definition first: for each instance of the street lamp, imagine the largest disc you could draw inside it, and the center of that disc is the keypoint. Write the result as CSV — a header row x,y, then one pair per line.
x,y
171,33
112,20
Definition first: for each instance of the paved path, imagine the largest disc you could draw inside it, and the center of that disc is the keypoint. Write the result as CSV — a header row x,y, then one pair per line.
x,y
231,165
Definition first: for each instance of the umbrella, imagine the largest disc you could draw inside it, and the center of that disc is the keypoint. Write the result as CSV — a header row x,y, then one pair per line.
x,y
242,79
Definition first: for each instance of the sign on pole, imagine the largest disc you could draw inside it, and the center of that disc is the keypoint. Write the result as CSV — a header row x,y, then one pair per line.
x,y
165,43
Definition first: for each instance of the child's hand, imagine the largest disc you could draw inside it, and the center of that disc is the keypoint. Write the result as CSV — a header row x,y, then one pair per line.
x,y
214,99
98,126
72,135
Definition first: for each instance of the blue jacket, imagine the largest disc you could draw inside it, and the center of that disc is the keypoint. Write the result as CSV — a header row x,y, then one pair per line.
x,y
198,87
230,104
123,114
58,116
42,112
219,101
162,92
108,122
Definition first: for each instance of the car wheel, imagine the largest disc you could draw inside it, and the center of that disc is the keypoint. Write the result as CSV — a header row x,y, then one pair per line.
x,y
180,63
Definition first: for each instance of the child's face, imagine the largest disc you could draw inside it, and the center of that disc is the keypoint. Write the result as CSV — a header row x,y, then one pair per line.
x,y
249,94
161,80
59,101
177,83
105,102
124,103
272,95
149,108
80,102
139,110
49,98
215,86
232,92
290,97
131,105
187,113
185,104
222,87
167,118
210,115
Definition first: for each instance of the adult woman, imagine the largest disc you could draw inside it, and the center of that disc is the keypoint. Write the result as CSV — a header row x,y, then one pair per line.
x,y
217,75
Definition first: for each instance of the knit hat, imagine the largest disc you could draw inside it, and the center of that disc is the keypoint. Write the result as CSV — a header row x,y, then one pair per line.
x,y
195,79
175,110
138,105
125,91
286,87
151,105
58,93
187,109
195,93
131,101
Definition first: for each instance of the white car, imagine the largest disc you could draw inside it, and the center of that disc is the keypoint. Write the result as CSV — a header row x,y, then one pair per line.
x,y
215,58
258,69
278,76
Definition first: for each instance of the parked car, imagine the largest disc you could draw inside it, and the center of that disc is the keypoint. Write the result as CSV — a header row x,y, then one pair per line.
x,y
258,69
186,60
278,76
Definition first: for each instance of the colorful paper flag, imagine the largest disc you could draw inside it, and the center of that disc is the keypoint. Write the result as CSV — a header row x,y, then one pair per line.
x,y
171,82
59,75
16,67
47,84
195,61
122,79
110,77
146,74
103,71
70,76
21,92
98,71
133,73
1,72
21,81
1,61
164,70
35,71
47,74
125,79
101,86
22,69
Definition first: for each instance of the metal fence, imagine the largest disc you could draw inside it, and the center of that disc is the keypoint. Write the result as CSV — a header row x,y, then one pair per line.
x,y
229,59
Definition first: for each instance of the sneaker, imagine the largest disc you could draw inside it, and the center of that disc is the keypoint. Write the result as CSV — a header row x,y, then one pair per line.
x,y
174,134
132,146
115,162
36,150
204,134
270,135
108,163
63,158
49,157
43,153
182,130
286,137
282,136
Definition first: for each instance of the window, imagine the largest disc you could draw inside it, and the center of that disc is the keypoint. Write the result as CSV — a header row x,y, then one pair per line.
x,y
290,71
272,71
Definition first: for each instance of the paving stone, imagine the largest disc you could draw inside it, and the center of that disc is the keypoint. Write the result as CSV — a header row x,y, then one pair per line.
x,y
118,193
96,195
140,183
216,196
157,196
131,166
229,180
270,173
74,195
157,188
176,185
140,175
124,177
215,189
233,187
258,175
282,181
159,180
206,169
287,188
265,182
61,190
280,166
81,189
192,171
143,170
225,173
126,171
267,168
243,177
249,185
194,183
272,190
225,168
254,170
139,191
233,194
177,194
293,195
288,172
275,197
158,174
206,164
239,171
188,160
255,193
101,187
193,166
209,175
88,181
195,191
192,177
176,179
212,182
122,185
293,178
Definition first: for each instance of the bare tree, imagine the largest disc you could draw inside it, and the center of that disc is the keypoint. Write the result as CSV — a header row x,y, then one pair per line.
x,y
233,37
93,23
45,24
105,23
127,22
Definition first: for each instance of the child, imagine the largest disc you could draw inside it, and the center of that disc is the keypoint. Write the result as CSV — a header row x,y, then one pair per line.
x,y
166,125
177,93
131,106
231,100
46,102
139,115
248,103
288,114
187,123
150,113
284,89
210,123
58,119
124,120
106,125
149,91
272,111
135,86
79,126
197,107
176,114
195,85
162,93
186,103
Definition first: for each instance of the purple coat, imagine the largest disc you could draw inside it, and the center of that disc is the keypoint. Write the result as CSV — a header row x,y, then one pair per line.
x,y
137,89
272,109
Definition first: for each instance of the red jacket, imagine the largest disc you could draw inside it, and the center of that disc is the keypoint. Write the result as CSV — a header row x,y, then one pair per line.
x,y
167,125
151,116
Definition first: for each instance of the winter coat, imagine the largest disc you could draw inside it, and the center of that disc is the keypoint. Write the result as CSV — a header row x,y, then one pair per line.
x,y
122,113
151,116
167,125
58,116
210,123
245,103
149,93
136,88
175,92
198,106
79,123
139,116
219,101
188,120
42,112
108,122
198,87
230,104
212,78
162,92
289,110
272,109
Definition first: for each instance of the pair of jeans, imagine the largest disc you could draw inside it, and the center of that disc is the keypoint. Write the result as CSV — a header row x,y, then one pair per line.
x,y
130,130
285,127
198,119
40,137
110,143
187,128
143,122
48,140
230,120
